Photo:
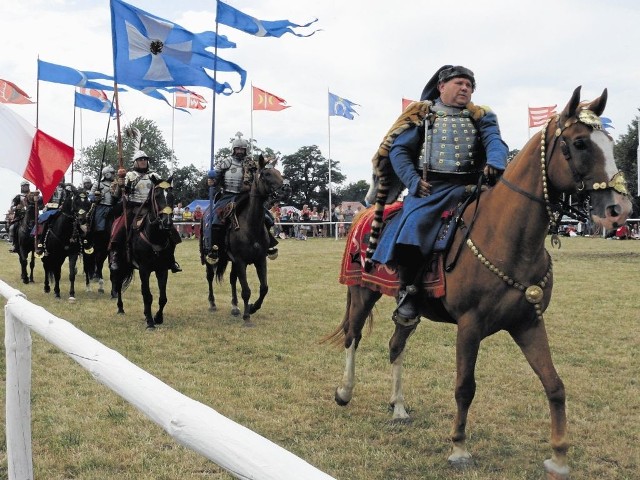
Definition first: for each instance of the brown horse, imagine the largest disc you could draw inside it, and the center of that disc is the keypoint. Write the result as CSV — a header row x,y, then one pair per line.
x,y
503,279
247,242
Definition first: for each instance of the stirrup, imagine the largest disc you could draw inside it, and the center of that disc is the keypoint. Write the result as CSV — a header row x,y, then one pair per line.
x,y
406,312
175,268
212,256
39,251
272,253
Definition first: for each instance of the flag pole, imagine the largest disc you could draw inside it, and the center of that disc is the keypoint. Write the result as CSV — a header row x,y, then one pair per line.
x,y
173,120
251,114
638,156
73,135
329,160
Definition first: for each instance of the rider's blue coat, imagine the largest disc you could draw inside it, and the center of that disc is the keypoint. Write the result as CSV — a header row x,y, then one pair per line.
x,y
419,220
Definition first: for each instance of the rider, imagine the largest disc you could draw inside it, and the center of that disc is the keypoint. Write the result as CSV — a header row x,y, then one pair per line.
x,y
462,141
233,175
87,185
50,210
101,195
18,204
135,185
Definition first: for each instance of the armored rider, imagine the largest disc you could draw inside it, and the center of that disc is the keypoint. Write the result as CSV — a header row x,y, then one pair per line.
x,y
48,212
436,161
135,186
102,195
233,175
17,209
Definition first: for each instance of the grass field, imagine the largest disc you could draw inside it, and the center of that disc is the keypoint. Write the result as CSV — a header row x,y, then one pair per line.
x,y
278,380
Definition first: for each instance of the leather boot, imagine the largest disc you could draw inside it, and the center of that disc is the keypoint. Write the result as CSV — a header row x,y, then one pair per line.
x,y
217,243
272,249
408,298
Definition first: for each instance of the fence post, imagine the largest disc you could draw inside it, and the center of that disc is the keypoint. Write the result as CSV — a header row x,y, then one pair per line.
x,y
17,341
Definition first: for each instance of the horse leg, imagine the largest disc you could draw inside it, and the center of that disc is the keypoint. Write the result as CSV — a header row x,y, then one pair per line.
x,y
162,277
47,273
212,299
23,268
32,265
245,292
360,301
397,345
534,344
261,270
233,280
147,298
467,346
57,273
73,260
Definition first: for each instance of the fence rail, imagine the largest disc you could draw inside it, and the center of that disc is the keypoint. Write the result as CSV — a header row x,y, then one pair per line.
x,y
240,451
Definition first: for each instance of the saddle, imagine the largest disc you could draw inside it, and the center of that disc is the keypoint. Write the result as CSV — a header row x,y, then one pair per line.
x,y
384,278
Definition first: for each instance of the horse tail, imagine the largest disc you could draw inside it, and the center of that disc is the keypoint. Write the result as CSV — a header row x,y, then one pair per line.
x,y
338,336
126,276
221,267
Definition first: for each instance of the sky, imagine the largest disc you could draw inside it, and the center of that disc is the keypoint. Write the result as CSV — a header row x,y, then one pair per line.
x,y
524,54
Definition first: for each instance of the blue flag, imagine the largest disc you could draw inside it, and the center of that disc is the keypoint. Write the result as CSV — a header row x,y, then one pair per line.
x,y
341,107
149,51
50,72
96,104
232,17
606,122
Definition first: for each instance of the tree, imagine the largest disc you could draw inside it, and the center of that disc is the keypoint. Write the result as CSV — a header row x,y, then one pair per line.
x,y
354,192
308,173
189,184
625,152
99,155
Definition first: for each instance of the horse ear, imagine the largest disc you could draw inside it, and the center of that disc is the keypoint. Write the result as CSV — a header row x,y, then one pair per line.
x,y
261,161
571,107
170,180
597,105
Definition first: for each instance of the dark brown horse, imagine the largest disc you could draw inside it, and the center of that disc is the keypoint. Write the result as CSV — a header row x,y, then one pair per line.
x,y
503,278
247,242
64,240
149,252
26,243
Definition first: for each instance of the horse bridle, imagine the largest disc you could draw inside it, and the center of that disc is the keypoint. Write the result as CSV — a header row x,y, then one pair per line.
x,y
167,210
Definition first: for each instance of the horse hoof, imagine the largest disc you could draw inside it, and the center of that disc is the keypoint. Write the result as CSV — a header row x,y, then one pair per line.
x,y
101,290
72,299
151,327
158,321
120,312
461,462
235,312
339,400
25,281
554,471
213,308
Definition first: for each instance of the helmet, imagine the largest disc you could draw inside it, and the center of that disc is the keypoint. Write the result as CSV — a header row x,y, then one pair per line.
x,y
108,170
24,183
87,180
239,142
139,154
212,173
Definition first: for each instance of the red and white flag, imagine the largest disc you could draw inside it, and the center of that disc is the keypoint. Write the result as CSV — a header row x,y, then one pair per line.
x,y
31,153
267,101
10,93
94,93
187,99
539,115
405,103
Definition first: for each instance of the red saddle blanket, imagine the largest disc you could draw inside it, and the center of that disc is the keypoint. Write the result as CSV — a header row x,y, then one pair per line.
x,y
383,278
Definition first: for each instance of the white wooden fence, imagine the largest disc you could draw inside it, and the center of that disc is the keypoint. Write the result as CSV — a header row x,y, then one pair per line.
x,y
238,450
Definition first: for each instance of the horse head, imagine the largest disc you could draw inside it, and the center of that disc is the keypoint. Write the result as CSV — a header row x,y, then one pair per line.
x,y
161,203
268,179
580,161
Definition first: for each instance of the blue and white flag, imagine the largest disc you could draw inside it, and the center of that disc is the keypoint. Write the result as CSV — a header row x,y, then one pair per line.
x,y
606,122
94,103
51,72
149,51
227,15
341,107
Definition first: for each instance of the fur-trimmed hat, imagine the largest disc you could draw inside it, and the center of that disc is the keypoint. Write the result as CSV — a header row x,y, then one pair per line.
x,y
444,74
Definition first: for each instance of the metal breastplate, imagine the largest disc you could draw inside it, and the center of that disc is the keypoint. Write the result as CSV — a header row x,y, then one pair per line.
x,y
141,189
105,190
452,143
233,177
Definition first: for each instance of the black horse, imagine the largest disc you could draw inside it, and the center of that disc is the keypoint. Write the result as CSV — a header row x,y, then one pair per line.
x,y
27,216
96,241
149,250
247,241
64,239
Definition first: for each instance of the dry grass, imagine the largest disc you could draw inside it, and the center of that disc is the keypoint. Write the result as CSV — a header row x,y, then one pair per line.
x,y
279,381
